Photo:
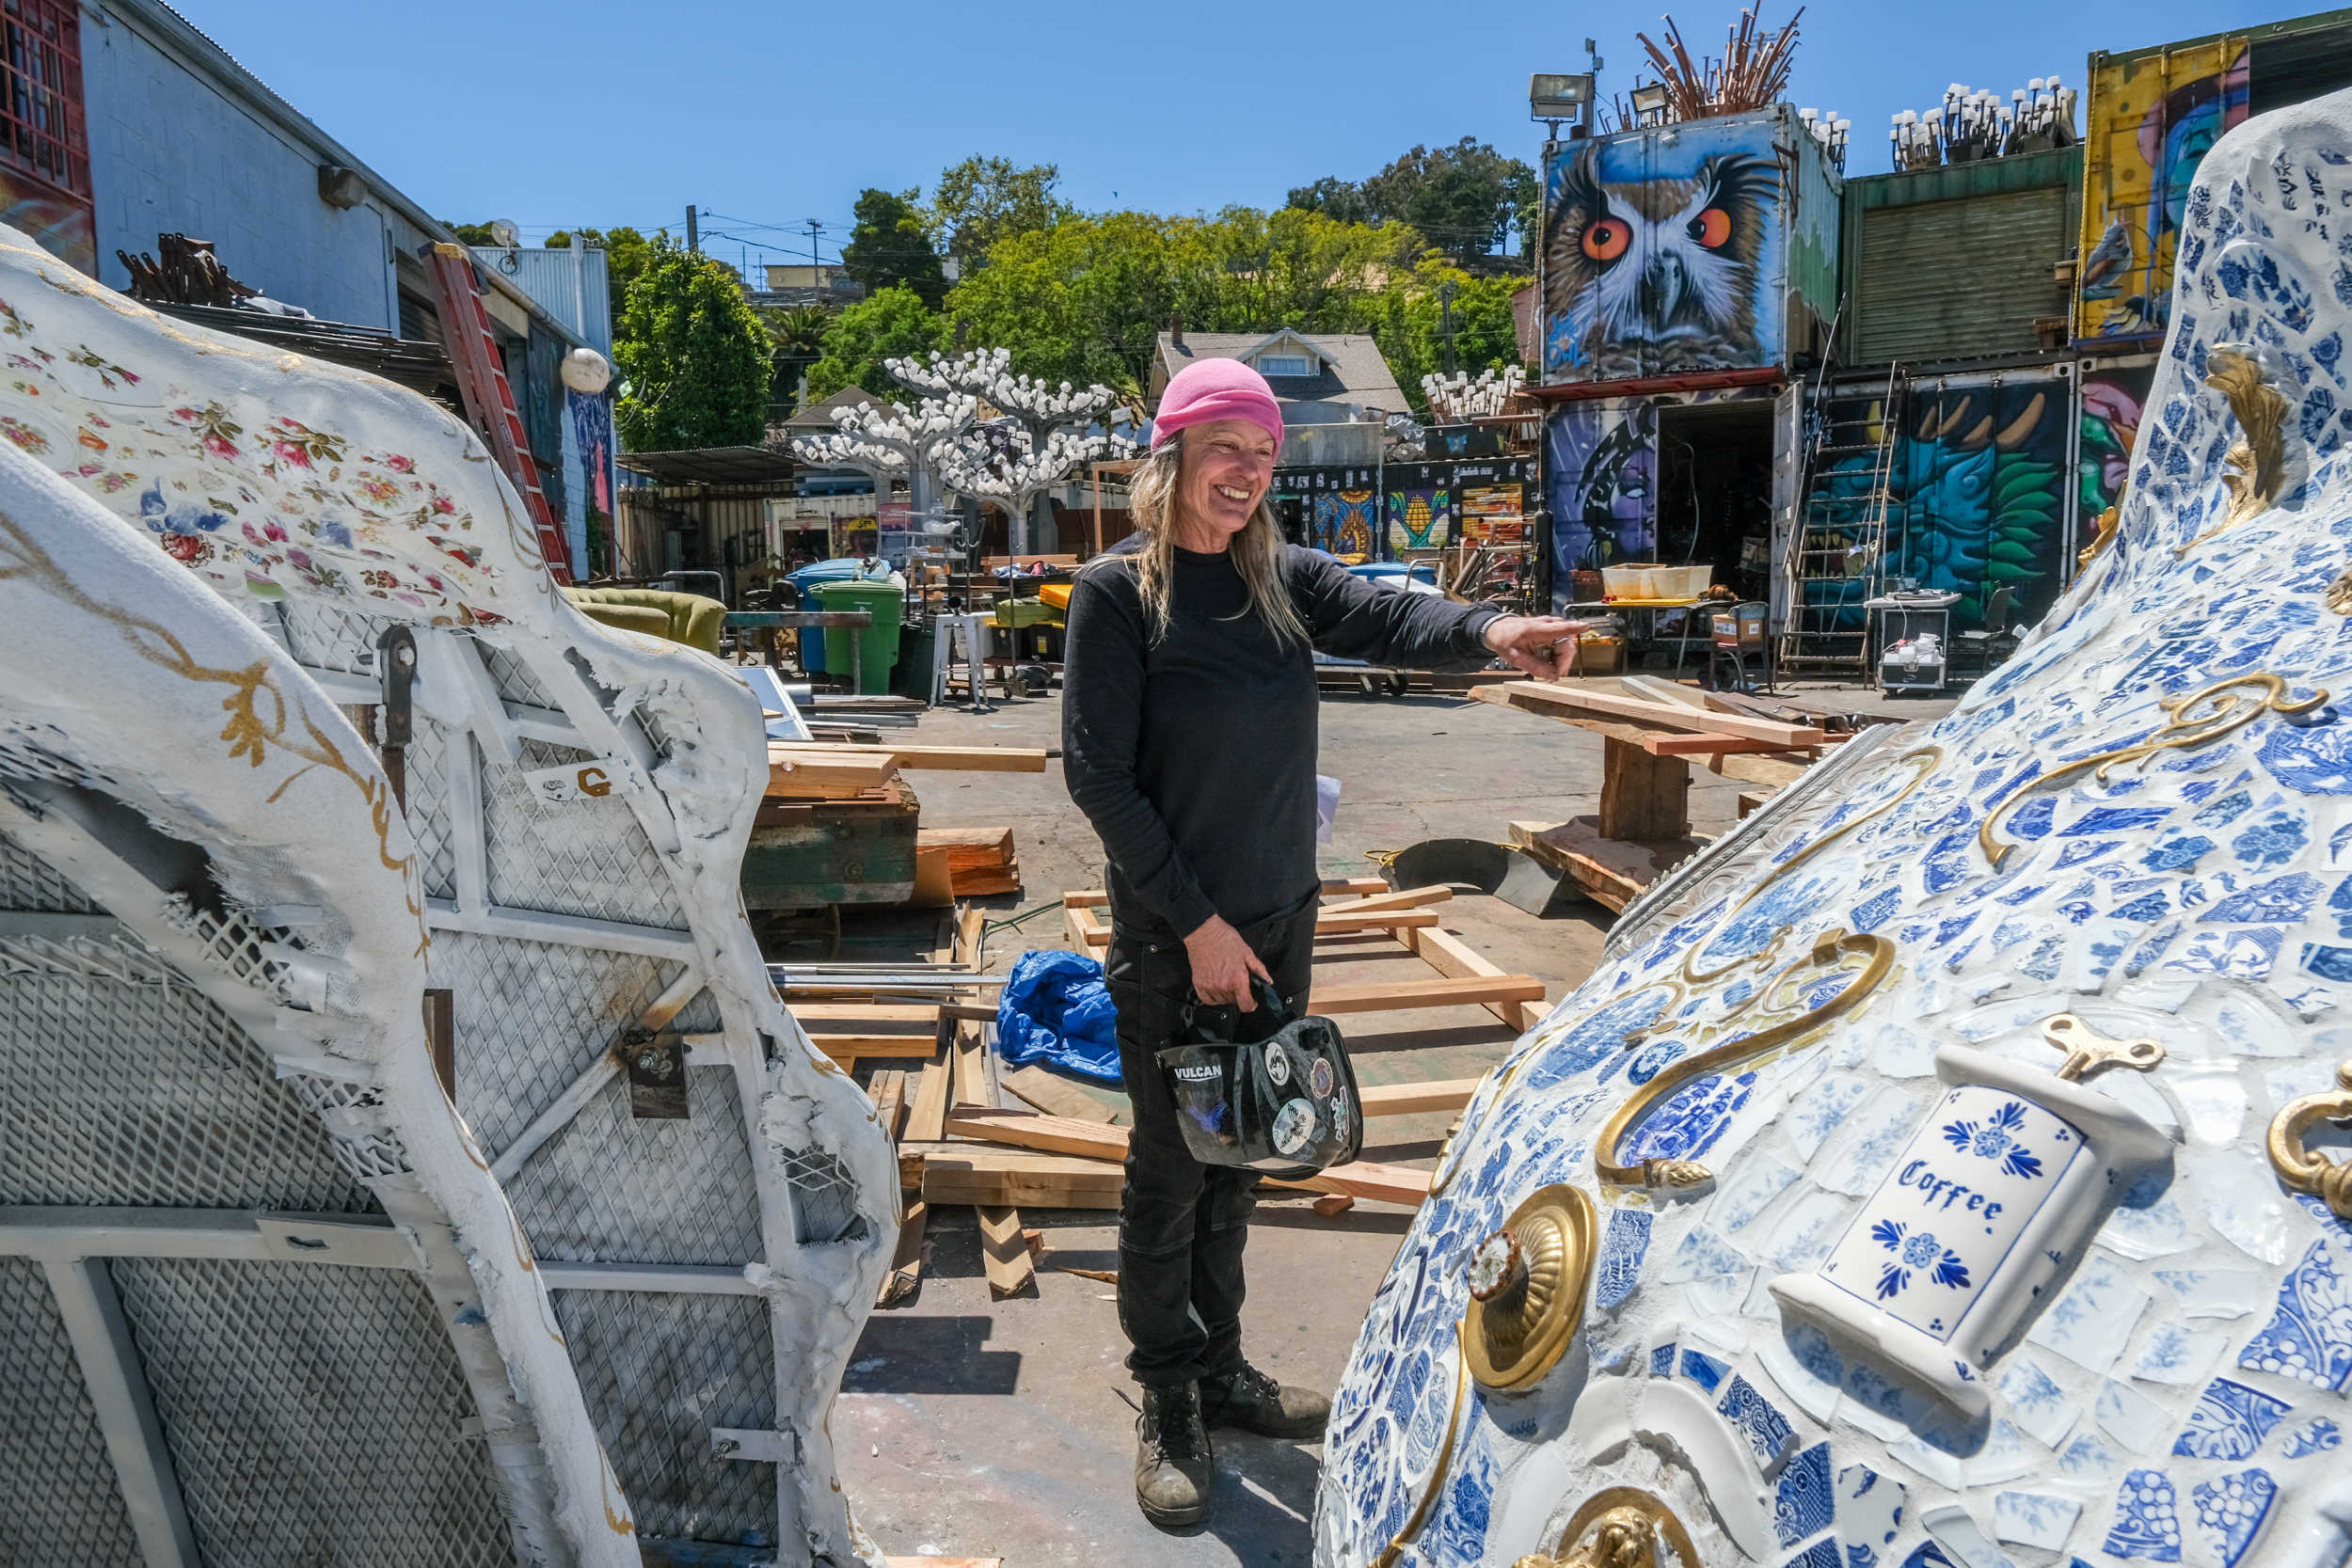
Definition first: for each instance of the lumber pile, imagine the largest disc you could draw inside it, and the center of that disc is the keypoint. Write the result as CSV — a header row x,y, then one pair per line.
x,y
980,860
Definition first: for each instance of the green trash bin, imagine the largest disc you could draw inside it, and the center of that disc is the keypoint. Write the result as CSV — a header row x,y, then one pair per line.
x,y
878,648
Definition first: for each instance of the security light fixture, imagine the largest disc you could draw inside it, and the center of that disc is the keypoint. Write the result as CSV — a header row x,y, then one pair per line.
x,y
1649,100
1558,96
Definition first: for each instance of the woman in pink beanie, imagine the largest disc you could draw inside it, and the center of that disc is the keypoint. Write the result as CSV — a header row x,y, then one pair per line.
x,y
1188,740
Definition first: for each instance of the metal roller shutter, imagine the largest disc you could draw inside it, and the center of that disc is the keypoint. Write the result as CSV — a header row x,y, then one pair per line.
x,y
1948,279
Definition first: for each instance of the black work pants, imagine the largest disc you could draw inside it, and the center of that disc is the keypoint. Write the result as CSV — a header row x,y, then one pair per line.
x,y
1183,1225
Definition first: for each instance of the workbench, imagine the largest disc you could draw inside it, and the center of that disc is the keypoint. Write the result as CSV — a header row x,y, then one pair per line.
x,y
1644,823
1640,619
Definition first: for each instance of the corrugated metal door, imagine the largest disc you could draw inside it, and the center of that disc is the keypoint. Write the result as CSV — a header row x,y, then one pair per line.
x,y
1947,279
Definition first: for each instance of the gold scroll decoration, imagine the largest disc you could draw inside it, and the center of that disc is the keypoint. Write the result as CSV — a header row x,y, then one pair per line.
x,y
2260,459
2226,707
2108,521
1832,951
1619,1527
2302,1169
1527,1289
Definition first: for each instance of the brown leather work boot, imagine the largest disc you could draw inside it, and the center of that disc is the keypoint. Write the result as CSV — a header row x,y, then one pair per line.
x,y
1248,1399
1174,1460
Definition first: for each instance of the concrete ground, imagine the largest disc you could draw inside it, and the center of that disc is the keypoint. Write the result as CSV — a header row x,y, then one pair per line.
x,y
971,1427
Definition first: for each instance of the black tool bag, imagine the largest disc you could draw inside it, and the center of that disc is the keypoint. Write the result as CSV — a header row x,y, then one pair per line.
x,y
1285,1104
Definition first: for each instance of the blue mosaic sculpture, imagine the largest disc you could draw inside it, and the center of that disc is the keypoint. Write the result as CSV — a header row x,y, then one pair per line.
x,y
1959,1126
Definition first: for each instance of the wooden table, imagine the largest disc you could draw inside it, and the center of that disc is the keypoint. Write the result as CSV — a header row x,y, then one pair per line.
x,y
1643,825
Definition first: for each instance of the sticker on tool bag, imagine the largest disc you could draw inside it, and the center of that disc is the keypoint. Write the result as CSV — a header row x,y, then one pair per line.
x,y
1319,1078
1338,1115
1278,1067
1295,1128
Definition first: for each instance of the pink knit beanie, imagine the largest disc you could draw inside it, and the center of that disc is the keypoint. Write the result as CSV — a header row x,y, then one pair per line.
x,y
1210,389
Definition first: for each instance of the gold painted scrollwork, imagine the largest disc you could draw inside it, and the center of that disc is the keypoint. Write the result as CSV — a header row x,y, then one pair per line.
x,y
2184,726
1620,1527
1527,1289
1832,951
2260,459
2301,1169
2108,521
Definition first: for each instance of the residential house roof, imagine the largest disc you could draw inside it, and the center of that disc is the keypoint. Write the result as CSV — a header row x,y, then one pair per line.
x,y
1349,366
825,413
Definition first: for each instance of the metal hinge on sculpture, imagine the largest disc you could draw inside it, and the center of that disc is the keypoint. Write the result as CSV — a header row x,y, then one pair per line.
x,y
2302,1169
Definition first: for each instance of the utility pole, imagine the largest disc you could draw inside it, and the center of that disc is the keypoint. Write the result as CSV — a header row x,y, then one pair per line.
x,y
693,233
813,226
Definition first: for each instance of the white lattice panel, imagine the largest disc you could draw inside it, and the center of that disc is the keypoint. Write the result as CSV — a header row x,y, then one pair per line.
x,y
58,1505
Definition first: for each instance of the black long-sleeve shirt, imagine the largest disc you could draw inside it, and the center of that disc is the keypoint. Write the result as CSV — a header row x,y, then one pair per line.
x,y
1194,757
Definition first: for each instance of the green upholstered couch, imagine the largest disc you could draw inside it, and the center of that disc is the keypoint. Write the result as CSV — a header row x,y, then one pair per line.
x,y
687,618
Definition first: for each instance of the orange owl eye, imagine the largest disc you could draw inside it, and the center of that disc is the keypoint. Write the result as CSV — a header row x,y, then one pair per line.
x,y
1606,241
1712,228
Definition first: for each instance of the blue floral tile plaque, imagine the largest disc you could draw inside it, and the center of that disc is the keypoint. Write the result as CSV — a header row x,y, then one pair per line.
x,y
2146,1519
2229,1421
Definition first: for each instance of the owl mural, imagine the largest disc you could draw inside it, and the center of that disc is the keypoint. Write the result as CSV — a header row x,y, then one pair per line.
x,y
1951,1166
1658,275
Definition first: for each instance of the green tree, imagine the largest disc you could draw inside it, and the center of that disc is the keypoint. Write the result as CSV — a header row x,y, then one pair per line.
x,y
1406,317
887,325
469,233
1086,299
889,248
982,203
1461,199
798,332
626,253
696,355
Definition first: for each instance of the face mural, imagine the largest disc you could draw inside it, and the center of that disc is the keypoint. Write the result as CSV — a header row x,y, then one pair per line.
x,y
1604,479
1657,258
2170,110
1946,1166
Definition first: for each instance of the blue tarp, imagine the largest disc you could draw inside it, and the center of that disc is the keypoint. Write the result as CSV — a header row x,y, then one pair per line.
x,y
1056,1009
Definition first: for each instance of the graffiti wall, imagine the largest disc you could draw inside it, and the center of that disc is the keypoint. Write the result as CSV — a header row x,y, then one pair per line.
x,y
2152,115
1670,253
1601,470
2112,399
1978,480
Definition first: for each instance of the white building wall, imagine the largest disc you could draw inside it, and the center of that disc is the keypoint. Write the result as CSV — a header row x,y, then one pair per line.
x,y
170,152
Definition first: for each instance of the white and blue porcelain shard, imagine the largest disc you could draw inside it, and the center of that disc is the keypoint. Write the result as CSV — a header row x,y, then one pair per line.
x,y
1874,1285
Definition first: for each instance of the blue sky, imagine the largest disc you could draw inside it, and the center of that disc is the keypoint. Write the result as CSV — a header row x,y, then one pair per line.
x,y
765,116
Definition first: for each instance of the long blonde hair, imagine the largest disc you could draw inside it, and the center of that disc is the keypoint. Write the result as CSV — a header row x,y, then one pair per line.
x,y
1257,549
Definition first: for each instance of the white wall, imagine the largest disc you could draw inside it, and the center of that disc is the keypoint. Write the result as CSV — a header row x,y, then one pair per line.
x,y
170,152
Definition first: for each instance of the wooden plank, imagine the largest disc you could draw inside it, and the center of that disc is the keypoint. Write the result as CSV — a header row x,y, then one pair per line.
x,y
826,776
1405,1099
889,1092
906,1264
1363,1178
970,1054
1613,871
863,1012
1702,745
1353,887
959,759
1085,927
1643,797
942,1562
984,881
1035,1181
1005,1251
970,924
1086,898
1669,716
1396,995
1649,688
1331,1204
997,843
1402,898
858,1048
930,1113
1750,801
1053,1096
1772,770
1450,955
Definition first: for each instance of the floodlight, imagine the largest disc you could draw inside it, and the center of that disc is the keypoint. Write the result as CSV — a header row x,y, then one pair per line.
x,y
1552,96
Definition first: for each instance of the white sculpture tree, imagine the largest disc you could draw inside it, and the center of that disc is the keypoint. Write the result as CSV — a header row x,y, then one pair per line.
x,y
1011,460
1457,399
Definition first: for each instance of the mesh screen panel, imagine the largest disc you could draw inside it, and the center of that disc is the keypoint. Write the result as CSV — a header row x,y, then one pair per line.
x,y
330,638
29,882
428,804
515,683
530,1016
58,1506
118,1093
330,1433
651,1192
586,857
659,1371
